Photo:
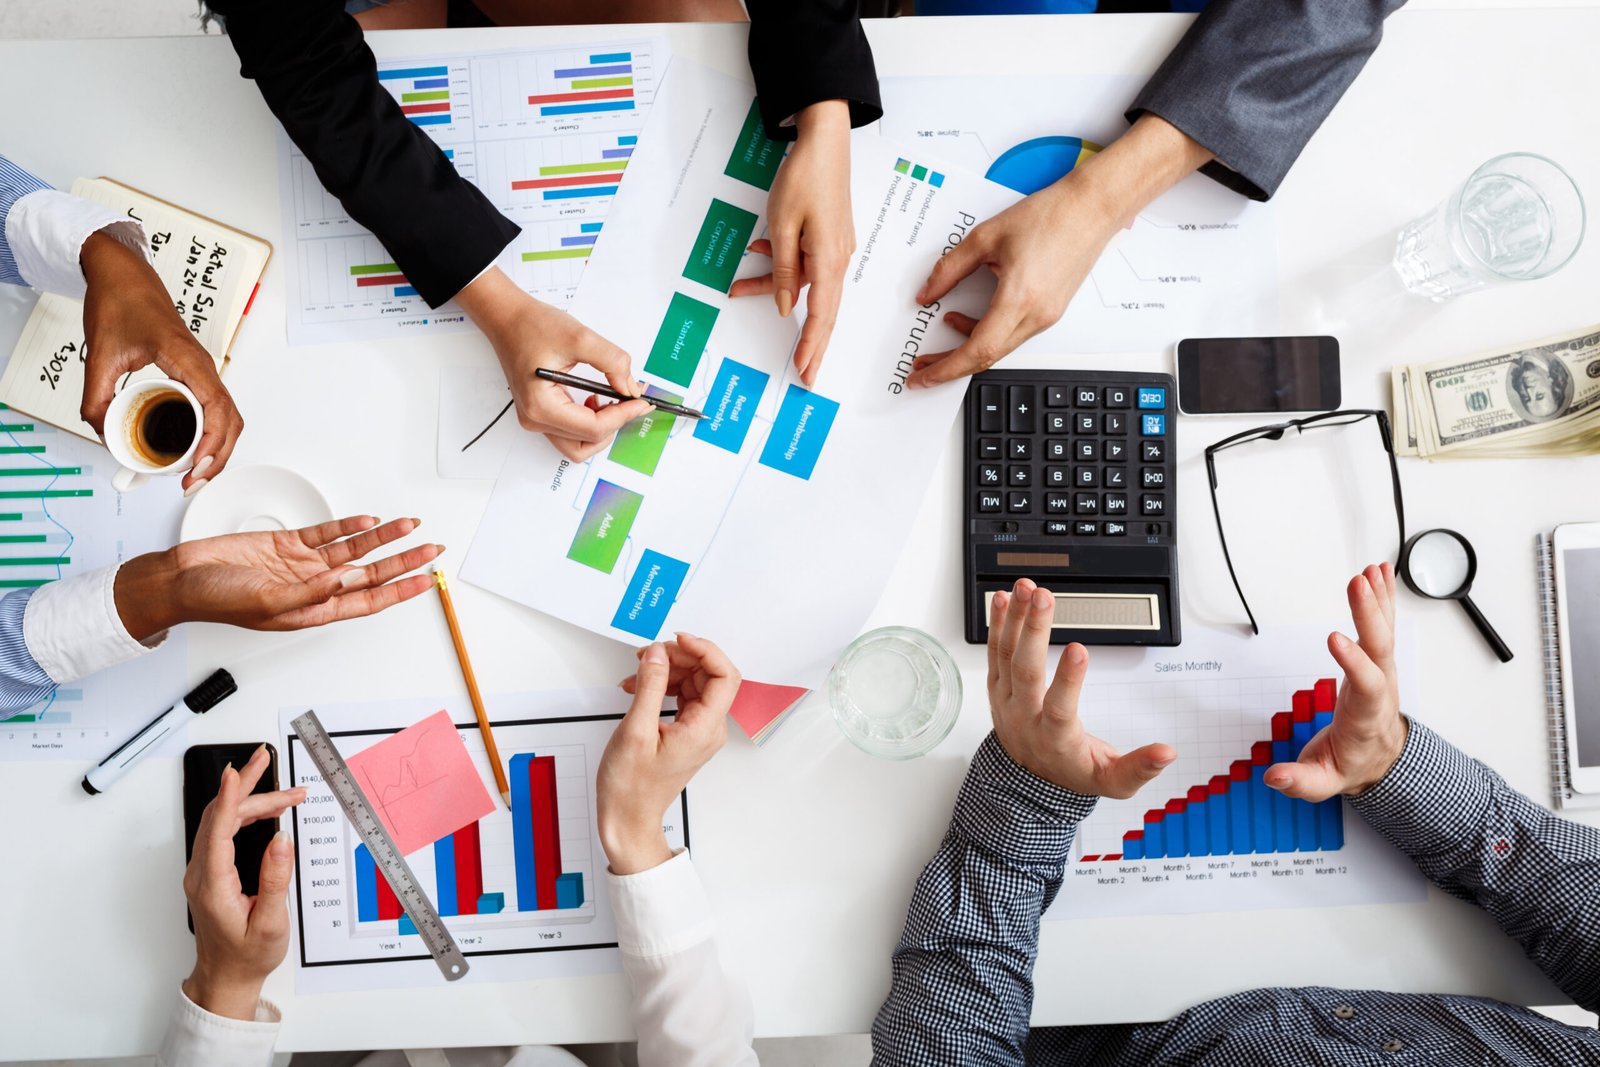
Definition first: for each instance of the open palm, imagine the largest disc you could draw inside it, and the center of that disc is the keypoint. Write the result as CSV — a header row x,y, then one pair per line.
x,y
292,579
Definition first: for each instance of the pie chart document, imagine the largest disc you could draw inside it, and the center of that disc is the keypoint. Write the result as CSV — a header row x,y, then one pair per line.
x,y
1200,261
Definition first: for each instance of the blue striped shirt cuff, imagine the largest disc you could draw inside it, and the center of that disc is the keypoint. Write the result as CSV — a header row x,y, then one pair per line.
x,y
15,183
23,683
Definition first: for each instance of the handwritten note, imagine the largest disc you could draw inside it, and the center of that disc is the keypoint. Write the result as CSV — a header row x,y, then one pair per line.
x,y
422,783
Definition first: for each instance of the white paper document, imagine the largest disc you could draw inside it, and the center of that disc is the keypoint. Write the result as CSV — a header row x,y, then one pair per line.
x,y
522,902
772,525
60,517
1200,261
545,134
1207,835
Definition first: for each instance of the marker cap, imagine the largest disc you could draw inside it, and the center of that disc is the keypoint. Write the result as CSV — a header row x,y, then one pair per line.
x,y
211,692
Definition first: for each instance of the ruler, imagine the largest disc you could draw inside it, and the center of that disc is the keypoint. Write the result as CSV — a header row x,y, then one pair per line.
x,y
390,863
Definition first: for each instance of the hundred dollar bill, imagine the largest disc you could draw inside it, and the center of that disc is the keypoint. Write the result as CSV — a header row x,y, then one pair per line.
x,y
1543,398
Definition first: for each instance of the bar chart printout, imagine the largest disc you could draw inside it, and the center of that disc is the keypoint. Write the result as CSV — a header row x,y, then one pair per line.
x,y
546,135
517,886
60,517
1208,834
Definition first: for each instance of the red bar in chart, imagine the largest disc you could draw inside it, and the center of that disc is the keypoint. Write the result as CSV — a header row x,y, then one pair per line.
x,y
546,829
381,279
1325,694
593,94
423,109
388,904
469,869
557,183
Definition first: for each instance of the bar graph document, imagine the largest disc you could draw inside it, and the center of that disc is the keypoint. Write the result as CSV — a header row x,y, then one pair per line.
x,y
545,134
522,891
1208,834
59,517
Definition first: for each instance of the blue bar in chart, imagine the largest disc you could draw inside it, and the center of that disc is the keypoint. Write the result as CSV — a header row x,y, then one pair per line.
x,y
1218,826
413,72
1155,834
1197,822
592,72
1241,800
590,227
444,865
580,109
366,886
611,57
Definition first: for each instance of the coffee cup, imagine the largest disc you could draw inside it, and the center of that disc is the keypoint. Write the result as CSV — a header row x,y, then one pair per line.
x,y
152,427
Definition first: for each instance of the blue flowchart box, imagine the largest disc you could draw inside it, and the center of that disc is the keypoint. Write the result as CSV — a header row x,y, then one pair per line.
x,y
650,595
799,432
731,405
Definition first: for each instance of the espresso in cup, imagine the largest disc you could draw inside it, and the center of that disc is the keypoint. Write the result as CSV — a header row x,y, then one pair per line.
x,y
161,426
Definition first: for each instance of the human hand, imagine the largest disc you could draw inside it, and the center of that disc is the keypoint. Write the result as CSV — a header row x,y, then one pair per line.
x,y
279,580
129,323
1043,247
1038,726
648,762
1368,732
528,335
238,939
812,231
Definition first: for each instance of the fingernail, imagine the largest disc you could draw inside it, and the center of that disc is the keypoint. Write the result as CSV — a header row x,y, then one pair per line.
x,y
654,653
1276,780
1042,599
681,634
196,487
415,523
1165,761
280,845
785,303
1076,653
1341,640
439,549
351,577
200,468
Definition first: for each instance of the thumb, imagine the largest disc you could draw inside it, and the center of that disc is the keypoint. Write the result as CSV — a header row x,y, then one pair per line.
x,y
650,689
1304,781
1132,772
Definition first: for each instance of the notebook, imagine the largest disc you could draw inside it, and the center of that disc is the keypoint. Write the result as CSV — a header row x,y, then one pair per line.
x,y
211,270
1561,792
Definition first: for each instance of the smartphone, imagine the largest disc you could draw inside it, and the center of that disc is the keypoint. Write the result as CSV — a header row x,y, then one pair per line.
x,y
1257,375
202,777
1576,548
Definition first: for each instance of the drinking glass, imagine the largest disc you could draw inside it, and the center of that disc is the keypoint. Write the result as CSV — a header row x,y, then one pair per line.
x,y
895,693
1516,218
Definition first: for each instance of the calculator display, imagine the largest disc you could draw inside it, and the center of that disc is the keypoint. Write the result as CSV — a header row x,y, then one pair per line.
x,y
1105,611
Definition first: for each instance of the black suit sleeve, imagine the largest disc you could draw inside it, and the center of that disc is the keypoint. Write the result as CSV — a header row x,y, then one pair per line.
x,y
319,78
1252,81
805,51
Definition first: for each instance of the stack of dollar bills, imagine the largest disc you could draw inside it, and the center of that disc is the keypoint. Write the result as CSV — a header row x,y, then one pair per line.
x,y
1542,399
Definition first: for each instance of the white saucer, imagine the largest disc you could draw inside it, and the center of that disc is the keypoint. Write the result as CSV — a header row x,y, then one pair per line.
x,y
247,499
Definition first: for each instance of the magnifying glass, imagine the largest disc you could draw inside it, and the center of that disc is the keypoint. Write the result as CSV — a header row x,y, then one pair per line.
x,y
1440,565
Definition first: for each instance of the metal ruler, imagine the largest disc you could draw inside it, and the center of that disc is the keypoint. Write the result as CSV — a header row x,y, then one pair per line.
x,y
390,863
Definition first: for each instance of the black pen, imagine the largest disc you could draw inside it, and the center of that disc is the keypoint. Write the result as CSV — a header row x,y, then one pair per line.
x,y
602,389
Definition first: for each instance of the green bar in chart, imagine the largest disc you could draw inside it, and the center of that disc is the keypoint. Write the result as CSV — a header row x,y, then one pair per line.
x,y
601,83
724,232
418,98
556,253
11,516
582,168
48,494
755,156
22,450
376,268
34,561
16,427
36,472
22,539
681,341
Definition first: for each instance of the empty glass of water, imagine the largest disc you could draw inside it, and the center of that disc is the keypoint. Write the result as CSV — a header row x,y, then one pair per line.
x,y
1517,218
895,692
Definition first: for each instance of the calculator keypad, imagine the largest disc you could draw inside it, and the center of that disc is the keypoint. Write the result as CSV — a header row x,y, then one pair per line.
x,y
1086,460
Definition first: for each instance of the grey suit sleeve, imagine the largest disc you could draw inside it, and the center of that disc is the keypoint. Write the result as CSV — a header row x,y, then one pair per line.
x,y
1253,79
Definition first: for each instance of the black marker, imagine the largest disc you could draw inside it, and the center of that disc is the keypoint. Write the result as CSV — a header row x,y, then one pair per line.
x,y
207,695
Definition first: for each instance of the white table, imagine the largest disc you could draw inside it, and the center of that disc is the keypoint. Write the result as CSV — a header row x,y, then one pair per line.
x,y
809,847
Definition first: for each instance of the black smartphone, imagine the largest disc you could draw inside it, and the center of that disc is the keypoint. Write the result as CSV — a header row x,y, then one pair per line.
x,y
1257,375
202,776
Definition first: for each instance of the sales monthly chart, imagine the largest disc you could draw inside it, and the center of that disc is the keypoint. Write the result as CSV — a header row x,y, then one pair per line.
x,y
546,135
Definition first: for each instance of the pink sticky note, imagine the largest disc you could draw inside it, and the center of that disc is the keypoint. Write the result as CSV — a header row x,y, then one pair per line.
x,y
422,783
758,703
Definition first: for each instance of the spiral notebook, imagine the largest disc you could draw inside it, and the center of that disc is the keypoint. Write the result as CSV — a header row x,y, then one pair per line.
x,y
1561,793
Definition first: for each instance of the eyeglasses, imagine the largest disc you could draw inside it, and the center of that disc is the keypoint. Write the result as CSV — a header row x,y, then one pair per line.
x,y
1275,433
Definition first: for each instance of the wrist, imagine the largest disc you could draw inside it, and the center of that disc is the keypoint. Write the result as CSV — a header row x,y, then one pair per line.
x,y
1392,747
823,117
1139,166
633,844
493,301
229,998
146,594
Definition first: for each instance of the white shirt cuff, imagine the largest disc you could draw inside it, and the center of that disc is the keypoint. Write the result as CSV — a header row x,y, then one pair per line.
x,y
72,628
46,230
661,911
197,1038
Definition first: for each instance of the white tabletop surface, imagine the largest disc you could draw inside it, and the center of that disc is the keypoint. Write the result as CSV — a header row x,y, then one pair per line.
x,y
809,847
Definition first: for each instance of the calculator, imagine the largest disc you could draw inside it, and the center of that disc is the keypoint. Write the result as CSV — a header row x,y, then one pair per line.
x,y
1071,481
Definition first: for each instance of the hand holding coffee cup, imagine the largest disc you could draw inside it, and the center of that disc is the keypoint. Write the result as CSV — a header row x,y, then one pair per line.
x,y
152,428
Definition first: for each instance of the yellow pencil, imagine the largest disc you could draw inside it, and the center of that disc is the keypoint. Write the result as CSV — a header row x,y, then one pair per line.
x,y
472,685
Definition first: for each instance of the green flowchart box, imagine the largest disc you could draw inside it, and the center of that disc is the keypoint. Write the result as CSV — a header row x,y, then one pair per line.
x,y
756,156
682,339
640,443
715,257
604,529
